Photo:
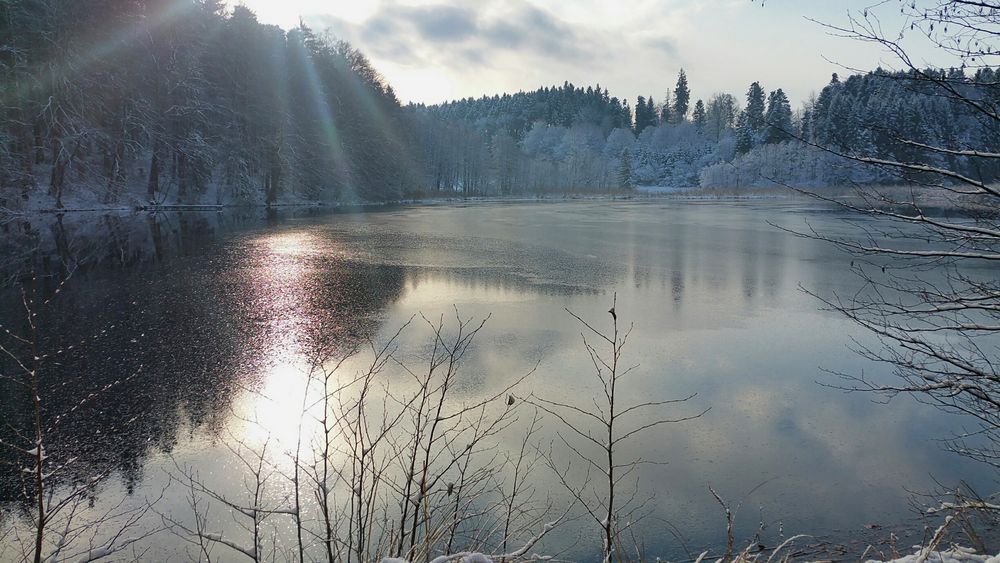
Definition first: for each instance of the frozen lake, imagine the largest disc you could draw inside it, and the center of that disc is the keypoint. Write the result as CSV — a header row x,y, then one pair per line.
x,y
217,313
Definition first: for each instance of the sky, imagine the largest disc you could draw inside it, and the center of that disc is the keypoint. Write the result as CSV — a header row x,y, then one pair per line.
x,y
436,50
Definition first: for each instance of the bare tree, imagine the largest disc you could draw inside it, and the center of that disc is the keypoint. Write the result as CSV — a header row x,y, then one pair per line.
x,y
608,490
64,523
395,463
253,513
930,294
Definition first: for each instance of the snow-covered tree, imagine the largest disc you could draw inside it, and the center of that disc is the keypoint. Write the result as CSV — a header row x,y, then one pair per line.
x,y
625,171
721,115
778,118
666,108
698,116
751,122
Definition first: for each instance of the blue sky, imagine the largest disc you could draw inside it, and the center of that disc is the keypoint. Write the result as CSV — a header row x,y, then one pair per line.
x,y
435,50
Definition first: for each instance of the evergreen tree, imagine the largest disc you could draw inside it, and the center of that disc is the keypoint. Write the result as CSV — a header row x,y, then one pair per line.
x,y
625,171
751,123
642,116
778,118
805,126
564,106
654,118
744,135
755,108
682,97
699,116
626,115
666,113
822,116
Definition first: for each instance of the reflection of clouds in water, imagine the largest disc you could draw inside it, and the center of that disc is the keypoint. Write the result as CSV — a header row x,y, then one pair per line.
x,y
714,296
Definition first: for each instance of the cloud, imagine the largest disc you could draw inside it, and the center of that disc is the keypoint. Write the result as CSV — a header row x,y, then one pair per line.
x,y
434,50
441,23
451,35
530,28
664,44
376,30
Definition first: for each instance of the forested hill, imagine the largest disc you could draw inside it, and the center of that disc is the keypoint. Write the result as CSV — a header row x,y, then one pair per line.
x,y
562,106
181,102
880,114
185,102
869,113
582,139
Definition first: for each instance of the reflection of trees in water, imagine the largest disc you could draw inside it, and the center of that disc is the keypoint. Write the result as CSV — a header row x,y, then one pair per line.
x,y
491,279
194,330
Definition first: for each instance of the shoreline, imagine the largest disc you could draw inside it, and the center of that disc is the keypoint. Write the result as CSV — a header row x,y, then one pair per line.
x,y
686,194
836,195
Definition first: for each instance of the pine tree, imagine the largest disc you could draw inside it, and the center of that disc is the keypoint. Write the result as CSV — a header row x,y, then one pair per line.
x,y
778,118
651,112
751,123
626,115
642,116
755,108
682,97
744,136
666,113
625,171
698,116
805,126
823,123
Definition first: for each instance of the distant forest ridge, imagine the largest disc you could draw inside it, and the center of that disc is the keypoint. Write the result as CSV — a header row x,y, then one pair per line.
x,y
155,102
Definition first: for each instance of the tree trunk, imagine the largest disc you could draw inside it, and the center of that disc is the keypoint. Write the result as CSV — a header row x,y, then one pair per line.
x,y
116,179
274,179
59,164
153,184
182,180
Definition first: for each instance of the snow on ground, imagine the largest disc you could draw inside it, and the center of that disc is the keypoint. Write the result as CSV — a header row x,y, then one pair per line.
x,y
661,190
955,554
458,558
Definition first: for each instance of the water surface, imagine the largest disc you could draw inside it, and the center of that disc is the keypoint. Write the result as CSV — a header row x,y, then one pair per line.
x,y
209,317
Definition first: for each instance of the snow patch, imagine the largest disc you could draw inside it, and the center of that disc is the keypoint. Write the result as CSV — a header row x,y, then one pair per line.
x,y
955,554
662,190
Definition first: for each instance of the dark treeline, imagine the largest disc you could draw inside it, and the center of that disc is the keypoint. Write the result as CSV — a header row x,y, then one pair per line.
x,y
563,106
484,145
181,101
